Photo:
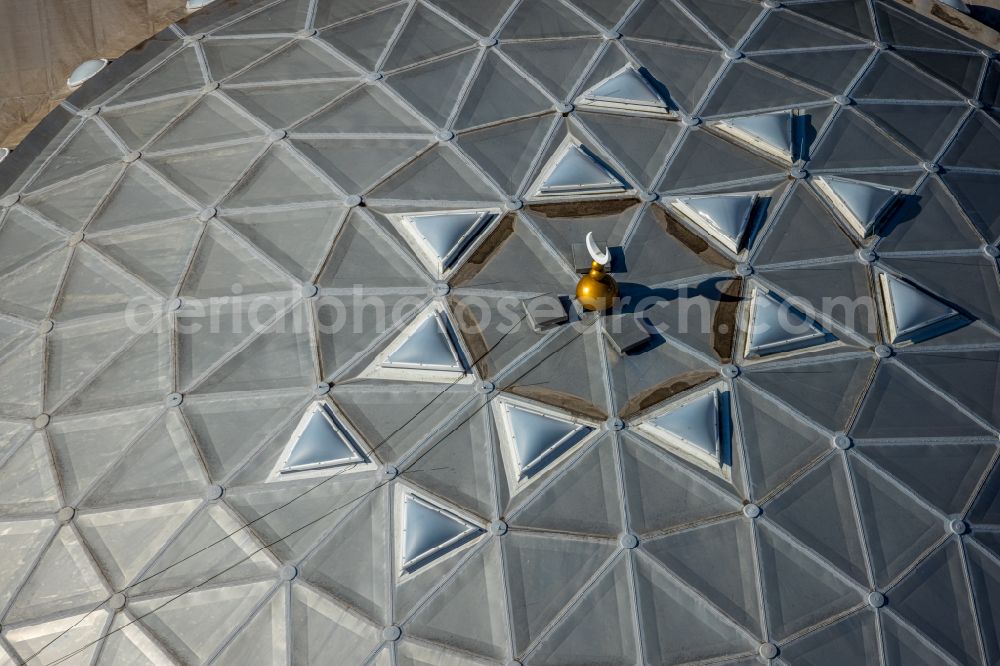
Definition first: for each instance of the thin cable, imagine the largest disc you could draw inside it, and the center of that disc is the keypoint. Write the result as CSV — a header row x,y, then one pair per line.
x,y
325,515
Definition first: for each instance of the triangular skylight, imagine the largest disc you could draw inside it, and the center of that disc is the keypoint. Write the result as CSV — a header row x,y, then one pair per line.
x,y
574,171
430,531
775,326
912,312
771,133
318,442
861,204
693,425
535,438
440,237
724,217
626,90
425,350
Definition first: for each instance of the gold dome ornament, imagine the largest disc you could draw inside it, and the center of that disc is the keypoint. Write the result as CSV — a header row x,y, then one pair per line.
x,y
597,291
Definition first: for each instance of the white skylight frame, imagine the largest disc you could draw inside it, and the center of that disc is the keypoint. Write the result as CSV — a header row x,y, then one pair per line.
x,y
783,155
715,463
362,461
796,344
661,109
681,207
474,527
929,327
383,368
614,187
442,267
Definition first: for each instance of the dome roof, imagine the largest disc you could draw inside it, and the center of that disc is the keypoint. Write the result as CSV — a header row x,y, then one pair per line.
x,y
291,370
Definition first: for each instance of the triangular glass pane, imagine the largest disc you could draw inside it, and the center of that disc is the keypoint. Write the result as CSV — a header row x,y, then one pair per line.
x,y
854,639
181,73
625,90
537,438
296,239
429,532
583,499
826,391
358,164
302,60
935,598
207,175
506,152
910,311
890,77
23,240
29,290
425,36
160,464
279,177
685,73
946,475
851,142
366,110
556,64
137,191
723,216
545,19
262,641
445,235
21,542
694,424
320,627
928,220
785,30
600,628
85,447
771,133
27,481
319,442
924,128
364,38
679,627
802,229
92,286
577,171
711,559
968,282
70,205
831,70
798,591
158,255
905,29
639,143
468,612
362,255
776,444
225,57
848,16
352,563
776,326
898,531
63,579
697,163
543,574
898,406
67,640
433,89
728,19
862,204
223,261
285,16
968,376
818,511
282,106
959,70
125,540
438,174
87,149
194,625
976,144
985,579
210,121
499,93
663,21
136,125
662,492
482,16
746,87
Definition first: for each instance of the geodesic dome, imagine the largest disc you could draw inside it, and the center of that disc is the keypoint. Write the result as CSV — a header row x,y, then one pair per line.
x,y
292,372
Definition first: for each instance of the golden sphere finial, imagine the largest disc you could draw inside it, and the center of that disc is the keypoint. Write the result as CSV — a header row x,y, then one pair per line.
x,y
597,291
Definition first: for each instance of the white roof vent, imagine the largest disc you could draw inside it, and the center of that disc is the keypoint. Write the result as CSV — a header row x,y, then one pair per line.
x,y
319,442
85,71
574,171
775,326
911,312
724,217
770,133
535,437
430,531
440,237
627,90
693,426
861,204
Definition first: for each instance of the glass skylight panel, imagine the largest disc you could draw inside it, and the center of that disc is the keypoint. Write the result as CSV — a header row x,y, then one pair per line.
x,y
574,172
430,531
693,425
861,204
724,217
318,442
774,327
910,311
536,438
627,90
427,347
771,133
440,237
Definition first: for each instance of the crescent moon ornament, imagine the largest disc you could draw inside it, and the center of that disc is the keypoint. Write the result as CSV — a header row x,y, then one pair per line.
x,y
597,291
603,258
